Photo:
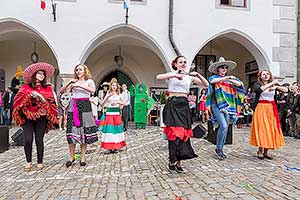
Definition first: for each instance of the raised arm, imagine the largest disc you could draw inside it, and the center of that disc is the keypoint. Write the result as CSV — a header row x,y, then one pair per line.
x,y
68,86
106,97
264,87
234,81
282,88
90,87
199,79
231,79
167,76
217,80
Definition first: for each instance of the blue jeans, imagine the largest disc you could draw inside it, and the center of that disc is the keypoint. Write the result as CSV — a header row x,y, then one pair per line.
x,y
223,121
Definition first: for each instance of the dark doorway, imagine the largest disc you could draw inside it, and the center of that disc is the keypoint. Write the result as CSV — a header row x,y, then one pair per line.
x,y
120,76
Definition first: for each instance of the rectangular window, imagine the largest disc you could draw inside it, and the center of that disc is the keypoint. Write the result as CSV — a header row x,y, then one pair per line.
x,y
202,63
131,1
234,3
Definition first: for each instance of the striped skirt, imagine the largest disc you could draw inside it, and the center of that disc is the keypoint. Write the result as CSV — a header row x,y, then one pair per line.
x,y
113,136
81,127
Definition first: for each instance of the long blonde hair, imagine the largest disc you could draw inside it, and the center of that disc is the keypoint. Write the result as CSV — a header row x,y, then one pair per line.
x,y
114,80
87,73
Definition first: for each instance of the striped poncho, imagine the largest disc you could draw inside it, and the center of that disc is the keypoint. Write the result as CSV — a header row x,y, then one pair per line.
x,y
229,97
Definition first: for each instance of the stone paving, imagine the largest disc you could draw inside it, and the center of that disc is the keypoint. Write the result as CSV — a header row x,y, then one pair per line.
x,y
140,171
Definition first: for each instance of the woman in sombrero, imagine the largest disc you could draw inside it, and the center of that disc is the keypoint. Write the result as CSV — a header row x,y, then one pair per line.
x,y
176,113
35,109
224,99
81,126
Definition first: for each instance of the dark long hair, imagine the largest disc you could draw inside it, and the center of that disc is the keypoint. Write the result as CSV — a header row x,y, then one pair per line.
x,y
202,94
32,84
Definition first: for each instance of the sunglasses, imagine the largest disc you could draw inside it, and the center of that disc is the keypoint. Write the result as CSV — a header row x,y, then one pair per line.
x,y
223,67
41,73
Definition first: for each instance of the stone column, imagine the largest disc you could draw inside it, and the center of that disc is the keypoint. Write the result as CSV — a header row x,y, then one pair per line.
x,y
298,44
286,28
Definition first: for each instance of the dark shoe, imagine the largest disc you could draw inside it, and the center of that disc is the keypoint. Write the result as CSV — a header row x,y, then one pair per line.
x,y
69,163
260,156
224,156
268,157
219,154
82,163
115,151
179,169
172,168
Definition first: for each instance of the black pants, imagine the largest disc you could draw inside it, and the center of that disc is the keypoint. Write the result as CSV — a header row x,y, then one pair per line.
x,y
39,128
125,116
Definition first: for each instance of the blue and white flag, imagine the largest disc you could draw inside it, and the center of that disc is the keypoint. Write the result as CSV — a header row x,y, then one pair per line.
x,y
126,4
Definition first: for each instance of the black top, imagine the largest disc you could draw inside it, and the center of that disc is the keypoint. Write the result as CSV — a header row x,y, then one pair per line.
x,y
258,92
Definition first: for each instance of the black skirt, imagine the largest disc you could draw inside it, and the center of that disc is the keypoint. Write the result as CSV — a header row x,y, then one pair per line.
x,y
180,150
177,112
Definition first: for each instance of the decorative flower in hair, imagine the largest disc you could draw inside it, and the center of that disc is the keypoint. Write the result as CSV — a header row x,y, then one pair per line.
x,y
259,74
173,63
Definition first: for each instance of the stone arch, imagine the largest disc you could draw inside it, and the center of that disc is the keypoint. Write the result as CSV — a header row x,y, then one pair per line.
x,y
28,29
245,40
129,31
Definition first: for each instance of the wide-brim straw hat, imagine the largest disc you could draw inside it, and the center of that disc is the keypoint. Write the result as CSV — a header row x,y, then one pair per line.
x,y
213,68
105,84
31,69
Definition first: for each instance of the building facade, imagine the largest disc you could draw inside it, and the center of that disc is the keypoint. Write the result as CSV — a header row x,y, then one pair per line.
x,y
256,34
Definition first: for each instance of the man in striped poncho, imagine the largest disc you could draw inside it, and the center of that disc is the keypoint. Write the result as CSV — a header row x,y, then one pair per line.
x,y
224,100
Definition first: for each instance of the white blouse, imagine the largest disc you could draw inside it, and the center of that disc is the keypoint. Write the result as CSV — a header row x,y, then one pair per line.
x,y
113,100
267,95
82,93
183,86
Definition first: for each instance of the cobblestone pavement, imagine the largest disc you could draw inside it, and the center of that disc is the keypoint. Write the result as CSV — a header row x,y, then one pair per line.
x,y
140,171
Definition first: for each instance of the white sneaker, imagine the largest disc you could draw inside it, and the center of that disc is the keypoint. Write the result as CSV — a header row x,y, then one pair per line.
x,y
60,129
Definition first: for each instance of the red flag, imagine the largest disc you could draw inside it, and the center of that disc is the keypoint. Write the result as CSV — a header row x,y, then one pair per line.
x,y
43,4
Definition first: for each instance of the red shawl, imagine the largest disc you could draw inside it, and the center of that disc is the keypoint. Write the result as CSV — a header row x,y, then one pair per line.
x,y
26,107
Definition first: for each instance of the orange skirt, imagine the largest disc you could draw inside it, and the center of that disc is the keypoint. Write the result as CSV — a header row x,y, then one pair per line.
x,y
264,130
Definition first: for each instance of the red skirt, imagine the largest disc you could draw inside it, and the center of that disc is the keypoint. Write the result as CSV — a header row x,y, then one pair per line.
x,y
202,106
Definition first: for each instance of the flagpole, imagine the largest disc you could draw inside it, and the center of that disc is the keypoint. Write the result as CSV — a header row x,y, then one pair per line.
x,y
126,15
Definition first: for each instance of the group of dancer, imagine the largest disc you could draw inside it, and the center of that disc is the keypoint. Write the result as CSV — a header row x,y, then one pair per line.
x,y
35,109
224,100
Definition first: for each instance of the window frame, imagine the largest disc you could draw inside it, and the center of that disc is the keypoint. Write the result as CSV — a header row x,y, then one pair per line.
x,y
223,6
132,2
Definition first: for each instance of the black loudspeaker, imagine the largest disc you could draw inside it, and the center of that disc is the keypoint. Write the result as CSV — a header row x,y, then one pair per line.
x,y
4,138
199,131
18,137
212,134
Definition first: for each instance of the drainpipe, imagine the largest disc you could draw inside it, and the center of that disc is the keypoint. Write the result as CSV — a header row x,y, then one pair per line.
x,y
171,2
298,43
